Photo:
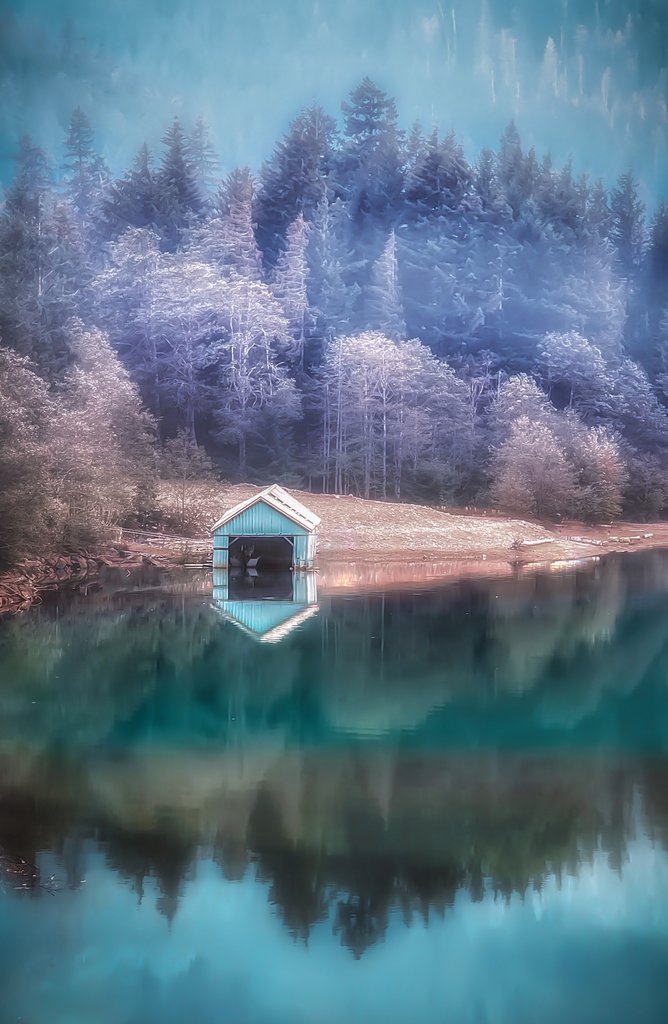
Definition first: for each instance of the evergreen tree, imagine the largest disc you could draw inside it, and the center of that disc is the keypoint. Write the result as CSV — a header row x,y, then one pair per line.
x,y
178,193
371,165
627,224
131,201
296,178
383,299
44,271
441,179
227,237
26,195
85,170
332,295
202,156
290,288
512,171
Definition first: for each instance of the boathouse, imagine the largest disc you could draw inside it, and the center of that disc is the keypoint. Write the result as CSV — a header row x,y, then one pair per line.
x,y
271,530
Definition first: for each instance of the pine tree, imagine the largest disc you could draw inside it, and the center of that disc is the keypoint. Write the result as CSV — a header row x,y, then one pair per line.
x,y
227,238
296,178
511,170
291,288
627,229
384,311
25,196
441,180
332,297
178,193
202,156
85,170
44,270
131,201
371,168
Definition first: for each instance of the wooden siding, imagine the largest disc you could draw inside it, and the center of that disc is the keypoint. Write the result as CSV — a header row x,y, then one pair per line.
x,y
304,552
221,554
260,520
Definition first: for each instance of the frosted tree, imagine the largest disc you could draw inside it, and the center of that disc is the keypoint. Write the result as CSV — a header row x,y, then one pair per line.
x,y
291,289
600,472
517,396
392,413
531,474
255,399
627,224
576,374
227,237
383,307
183,317
331,298
102,444
127,301
27,414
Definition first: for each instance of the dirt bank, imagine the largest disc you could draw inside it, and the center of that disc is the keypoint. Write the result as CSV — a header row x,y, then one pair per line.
x,y
22,586
361,543
382,531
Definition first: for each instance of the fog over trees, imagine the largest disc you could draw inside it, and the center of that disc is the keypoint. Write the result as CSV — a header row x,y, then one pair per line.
x,y
367,312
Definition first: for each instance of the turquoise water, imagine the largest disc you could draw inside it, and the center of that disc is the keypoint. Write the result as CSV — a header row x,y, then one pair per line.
x,y
444,804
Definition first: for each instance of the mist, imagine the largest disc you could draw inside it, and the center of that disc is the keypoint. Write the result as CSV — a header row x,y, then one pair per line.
x,y
586,79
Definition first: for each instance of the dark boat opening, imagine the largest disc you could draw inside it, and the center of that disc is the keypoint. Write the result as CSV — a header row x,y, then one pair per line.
x,y
261,554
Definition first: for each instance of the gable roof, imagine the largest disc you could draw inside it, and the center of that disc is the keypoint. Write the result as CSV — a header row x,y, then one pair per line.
x,y
266,621
280,500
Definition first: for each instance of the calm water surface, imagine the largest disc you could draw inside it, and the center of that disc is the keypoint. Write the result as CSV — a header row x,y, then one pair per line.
x,y
437,805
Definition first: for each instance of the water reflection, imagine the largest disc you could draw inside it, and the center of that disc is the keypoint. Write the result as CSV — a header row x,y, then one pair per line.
x,y
433,786
348,837
266,606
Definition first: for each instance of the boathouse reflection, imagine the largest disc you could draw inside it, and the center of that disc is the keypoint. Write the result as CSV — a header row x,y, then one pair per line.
x,y
266,606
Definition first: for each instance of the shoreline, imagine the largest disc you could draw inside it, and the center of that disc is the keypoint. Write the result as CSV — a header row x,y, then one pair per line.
x,y
341,568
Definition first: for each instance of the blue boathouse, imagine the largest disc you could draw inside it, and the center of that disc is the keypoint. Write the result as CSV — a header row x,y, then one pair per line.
x,y
271,530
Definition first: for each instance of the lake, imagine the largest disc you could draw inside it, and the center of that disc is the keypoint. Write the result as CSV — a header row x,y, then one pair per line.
x,y
261,803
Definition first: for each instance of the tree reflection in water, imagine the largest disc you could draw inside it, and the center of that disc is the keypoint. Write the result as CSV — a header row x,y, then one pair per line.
x,y
396,753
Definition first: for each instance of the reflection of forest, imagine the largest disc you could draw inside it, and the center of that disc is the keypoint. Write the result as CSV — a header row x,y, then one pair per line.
x,y
393,751
549,653
347,836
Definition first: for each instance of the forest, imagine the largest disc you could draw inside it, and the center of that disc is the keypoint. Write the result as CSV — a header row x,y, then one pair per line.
x,y
368,313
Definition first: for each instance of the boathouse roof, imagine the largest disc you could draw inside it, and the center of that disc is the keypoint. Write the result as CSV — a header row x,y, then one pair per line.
x,y
281,501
